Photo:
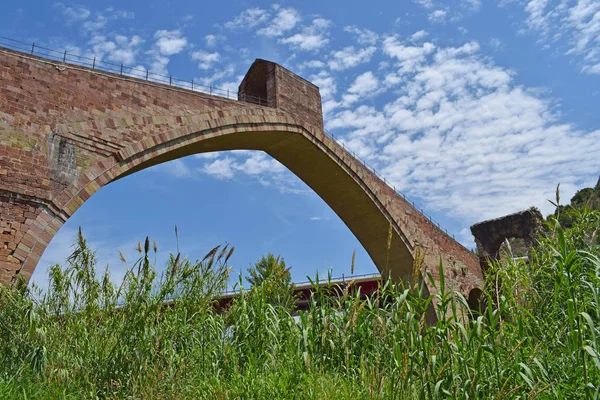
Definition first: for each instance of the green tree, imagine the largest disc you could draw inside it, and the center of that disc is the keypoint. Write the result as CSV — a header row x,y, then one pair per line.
x,y
271,274
586,198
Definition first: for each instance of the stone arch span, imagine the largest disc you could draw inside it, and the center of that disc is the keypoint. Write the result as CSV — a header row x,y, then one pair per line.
x,y
73,130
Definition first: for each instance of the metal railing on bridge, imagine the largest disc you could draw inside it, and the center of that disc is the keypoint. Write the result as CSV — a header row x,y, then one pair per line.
x,y
321,281
362,161
97,63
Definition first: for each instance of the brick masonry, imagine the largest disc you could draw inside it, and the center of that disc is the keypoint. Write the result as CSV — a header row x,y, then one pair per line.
x,y
66,131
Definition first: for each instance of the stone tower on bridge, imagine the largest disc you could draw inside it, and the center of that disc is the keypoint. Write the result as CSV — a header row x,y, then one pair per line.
x,y
67,130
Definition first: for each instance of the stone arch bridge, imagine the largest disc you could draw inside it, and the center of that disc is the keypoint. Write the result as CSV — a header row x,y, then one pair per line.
x,y
66,131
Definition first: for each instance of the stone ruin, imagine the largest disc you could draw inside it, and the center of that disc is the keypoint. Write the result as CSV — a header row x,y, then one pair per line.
x,y
520,229
490,235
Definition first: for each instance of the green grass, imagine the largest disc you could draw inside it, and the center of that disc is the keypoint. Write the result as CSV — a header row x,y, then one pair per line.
x,y
536,335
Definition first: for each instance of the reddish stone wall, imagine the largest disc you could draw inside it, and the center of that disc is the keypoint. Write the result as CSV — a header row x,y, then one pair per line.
x,y
267,83
298,96
66,131
14,214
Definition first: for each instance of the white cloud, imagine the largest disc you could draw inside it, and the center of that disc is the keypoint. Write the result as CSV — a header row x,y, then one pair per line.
x,y
253,164
312,64
350,57
120,49
159,64
92,23
496,43
218,75
465,138
207,156
437,16
365,85
473,5
574,26
366,125
409,57
248,19
205,59
229,89
454,10
124,14
221,168
176,168
466,238
424,3
259,163
170,42
73,14
212,40
306,42
363,36
327,88
418,36
537,18
392,79
326,84
592,68
285,20
311,38
95,25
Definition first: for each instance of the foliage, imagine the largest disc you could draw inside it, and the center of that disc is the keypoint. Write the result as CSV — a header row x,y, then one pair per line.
x,y
537,335
275,279
586,198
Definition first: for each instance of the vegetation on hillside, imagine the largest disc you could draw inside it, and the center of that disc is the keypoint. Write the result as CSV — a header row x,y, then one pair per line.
x,y
537,336
583,198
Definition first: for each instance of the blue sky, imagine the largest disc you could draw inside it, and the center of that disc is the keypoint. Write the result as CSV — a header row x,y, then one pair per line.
x,y
473,109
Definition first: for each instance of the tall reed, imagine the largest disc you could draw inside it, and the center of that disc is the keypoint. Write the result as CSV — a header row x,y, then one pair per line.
x,y
161,336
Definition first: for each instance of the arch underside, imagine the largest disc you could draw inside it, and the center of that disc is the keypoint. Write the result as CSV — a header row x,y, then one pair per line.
x,y
331,180
329,170
323,167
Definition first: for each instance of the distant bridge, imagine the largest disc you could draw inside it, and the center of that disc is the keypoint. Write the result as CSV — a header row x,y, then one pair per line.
x,y
368,285
66,130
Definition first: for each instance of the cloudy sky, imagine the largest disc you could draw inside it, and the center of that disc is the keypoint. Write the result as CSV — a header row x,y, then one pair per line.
x,y
473,109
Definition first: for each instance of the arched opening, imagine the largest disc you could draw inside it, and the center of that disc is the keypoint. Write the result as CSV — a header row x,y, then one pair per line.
x,y
315,163
254,217
475,302
519,229
319,169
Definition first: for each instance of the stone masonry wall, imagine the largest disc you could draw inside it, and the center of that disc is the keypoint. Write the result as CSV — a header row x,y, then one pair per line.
x,y
490,234
66,131
297,96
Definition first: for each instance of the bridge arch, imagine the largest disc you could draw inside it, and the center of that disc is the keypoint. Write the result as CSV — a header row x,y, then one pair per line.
x,y
339,184
95,128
